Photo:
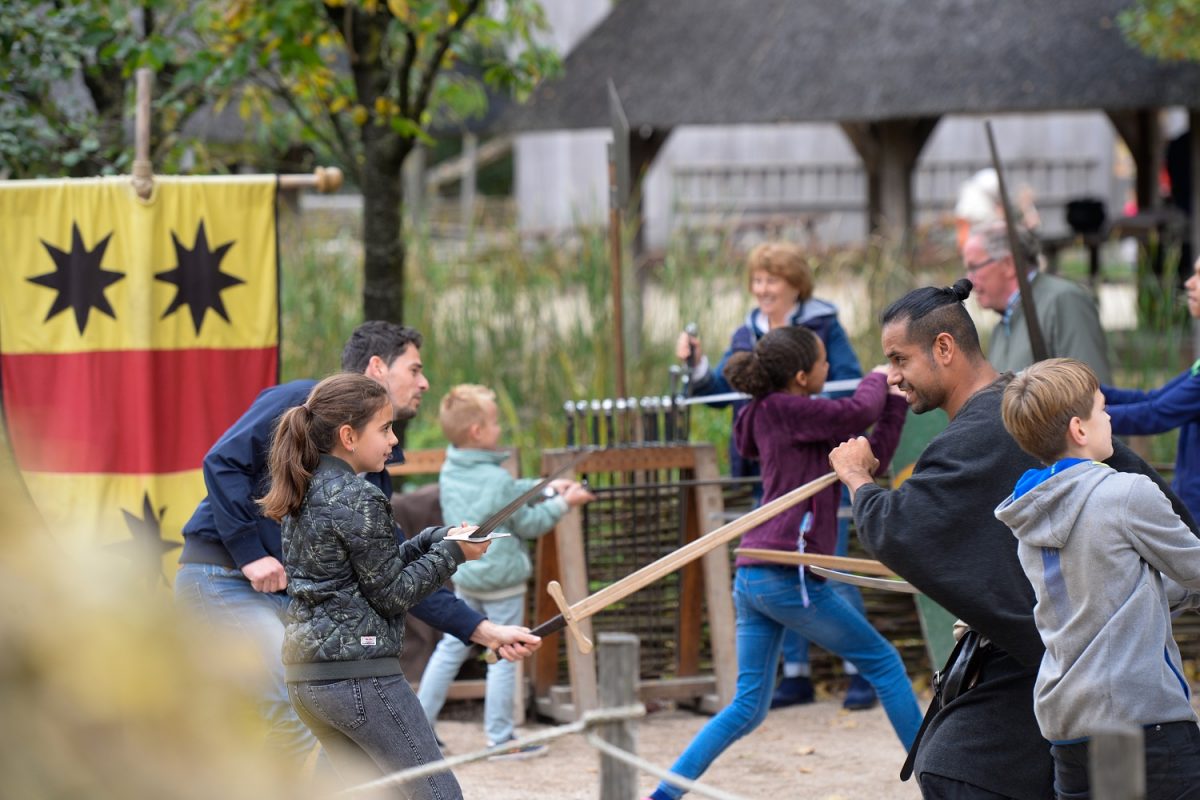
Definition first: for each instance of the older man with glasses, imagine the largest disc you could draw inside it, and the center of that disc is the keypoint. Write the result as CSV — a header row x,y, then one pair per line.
x,y
1069,318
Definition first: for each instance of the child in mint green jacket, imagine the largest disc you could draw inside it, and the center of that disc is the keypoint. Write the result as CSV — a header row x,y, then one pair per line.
x,y
473,485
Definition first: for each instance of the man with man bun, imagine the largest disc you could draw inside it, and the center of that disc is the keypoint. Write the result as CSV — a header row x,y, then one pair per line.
x,y
937,531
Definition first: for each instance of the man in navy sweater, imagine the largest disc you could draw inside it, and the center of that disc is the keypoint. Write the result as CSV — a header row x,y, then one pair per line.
x,y
230,571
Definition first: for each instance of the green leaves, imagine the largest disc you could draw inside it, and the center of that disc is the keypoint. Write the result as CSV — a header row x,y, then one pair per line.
x,y
1165,29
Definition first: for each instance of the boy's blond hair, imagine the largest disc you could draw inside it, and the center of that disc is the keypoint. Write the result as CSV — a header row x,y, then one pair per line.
x,y
463,406
783,260
1040,402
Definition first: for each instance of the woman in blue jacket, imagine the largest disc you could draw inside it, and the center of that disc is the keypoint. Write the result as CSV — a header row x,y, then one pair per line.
x,y
1176,405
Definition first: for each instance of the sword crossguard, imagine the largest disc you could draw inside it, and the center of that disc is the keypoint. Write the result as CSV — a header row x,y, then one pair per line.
x,y
554,589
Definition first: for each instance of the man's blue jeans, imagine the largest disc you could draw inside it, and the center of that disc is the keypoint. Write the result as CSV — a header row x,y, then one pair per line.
x,y
448,658
372,727
769,600
224,598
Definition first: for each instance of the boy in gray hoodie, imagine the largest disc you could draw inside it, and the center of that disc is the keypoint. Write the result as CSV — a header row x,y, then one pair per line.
x,y
1108,560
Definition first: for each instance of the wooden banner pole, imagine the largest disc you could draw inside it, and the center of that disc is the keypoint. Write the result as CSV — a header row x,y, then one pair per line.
x,y
143,170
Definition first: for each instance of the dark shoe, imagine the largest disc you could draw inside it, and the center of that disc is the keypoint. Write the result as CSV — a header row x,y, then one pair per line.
x,y
860,695
792,692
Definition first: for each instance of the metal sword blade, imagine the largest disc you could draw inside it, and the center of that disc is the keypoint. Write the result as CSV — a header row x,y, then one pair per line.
x,y
862,580
494,521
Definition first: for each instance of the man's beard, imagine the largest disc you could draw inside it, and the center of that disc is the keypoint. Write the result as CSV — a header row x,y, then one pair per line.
x,y
925,401
403,415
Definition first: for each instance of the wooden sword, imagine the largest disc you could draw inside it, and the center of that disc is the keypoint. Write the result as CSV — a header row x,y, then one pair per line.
x,y
865,566
571,614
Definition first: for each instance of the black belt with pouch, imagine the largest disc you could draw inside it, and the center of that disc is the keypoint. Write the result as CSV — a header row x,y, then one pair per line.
x,y
959,674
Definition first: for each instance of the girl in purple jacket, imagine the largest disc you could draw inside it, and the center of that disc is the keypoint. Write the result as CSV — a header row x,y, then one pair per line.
x,y
791,433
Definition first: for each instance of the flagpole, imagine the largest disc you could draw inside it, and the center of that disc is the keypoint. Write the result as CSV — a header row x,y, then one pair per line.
x,y
143,170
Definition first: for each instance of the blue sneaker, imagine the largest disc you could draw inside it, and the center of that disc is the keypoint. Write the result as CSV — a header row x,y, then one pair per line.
x,y
518,751
860,695
793,692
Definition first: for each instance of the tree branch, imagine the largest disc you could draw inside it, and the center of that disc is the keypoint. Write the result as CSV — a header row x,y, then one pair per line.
x,y
347,154
439,52
404,72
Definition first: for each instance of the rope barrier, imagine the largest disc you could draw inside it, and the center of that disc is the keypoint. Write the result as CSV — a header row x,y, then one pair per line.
x,y
589,719
658,772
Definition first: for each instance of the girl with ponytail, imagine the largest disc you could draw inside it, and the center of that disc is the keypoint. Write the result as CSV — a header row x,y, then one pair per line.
x,y
350,583
791,433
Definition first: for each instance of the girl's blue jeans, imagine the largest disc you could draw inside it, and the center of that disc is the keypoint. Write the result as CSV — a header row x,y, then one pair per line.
x,y
795,646
768,601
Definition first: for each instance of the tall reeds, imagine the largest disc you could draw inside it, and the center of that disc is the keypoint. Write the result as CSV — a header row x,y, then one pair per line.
x,y
535,322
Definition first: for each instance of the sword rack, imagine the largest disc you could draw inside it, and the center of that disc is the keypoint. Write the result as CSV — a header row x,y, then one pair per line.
x,y
652,498
627,421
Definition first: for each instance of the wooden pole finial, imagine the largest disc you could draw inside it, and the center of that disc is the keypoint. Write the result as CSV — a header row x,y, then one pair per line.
x,y
324,179
329,179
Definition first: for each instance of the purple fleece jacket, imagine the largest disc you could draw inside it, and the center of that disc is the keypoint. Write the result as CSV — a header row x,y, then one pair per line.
x,y
791,436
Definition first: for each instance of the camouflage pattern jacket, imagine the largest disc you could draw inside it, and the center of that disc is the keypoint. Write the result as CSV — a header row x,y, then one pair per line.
x,y
349,581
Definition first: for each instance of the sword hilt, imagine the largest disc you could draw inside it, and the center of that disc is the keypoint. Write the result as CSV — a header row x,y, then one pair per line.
x,y
554,589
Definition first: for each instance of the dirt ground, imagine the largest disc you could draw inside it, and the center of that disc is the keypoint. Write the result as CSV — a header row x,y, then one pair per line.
x,y
816,751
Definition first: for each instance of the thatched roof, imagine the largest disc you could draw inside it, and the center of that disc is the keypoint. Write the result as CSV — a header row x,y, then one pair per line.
x,y
760,61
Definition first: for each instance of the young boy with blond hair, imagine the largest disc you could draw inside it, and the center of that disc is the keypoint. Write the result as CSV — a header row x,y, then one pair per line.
x,y
1109,560
473,485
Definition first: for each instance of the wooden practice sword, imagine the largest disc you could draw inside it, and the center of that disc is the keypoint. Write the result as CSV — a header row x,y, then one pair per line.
x,y
866,566
571,614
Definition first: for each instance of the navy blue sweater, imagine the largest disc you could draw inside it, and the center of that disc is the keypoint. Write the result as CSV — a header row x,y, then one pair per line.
x,y
228,530
1175,405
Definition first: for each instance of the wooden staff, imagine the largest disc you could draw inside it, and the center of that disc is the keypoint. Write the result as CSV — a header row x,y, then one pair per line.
x,y
1037,343
864,565
571,614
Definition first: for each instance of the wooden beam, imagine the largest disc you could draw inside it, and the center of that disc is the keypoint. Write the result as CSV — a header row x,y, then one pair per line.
x,y
1194,217
1142,134
889,151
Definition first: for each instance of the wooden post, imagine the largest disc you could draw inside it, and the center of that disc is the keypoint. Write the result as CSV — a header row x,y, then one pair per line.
x,y
1194,221
718,599
466,184
1117,765
619,665
413,177
572,571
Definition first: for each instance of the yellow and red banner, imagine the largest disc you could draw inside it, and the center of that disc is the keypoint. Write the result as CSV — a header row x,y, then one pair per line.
x,y
132,334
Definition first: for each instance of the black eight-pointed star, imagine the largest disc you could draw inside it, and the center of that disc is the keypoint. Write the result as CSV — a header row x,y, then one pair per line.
x,y
198,278
79,279
145,546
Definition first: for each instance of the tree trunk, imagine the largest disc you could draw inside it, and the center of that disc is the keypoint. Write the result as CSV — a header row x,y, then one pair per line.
x,y
383,225
384,152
